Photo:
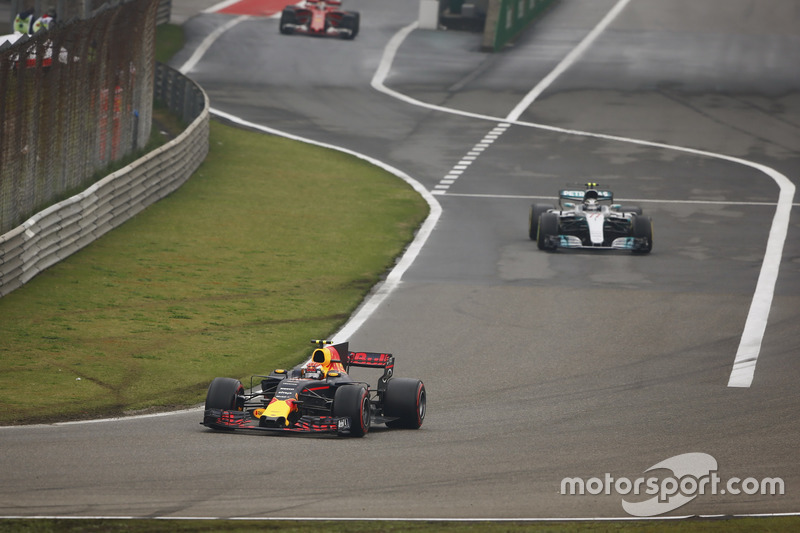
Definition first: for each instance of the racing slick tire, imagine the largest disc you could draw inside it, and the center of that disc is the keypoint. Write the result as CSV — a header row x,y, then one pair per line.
x,y
351,21
548,227
353,401
642,228
533,219
225,394
287,17
405,399
630,209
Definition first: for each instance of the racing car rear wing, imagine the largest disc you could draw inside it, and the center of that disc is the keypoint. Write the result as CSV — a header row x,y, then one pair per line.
x,y
575,195
370,360
373,360
360,359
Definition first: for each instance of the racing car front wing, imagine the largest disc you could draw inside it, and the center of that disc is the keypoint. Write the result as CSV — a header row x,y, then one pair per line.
x,y
620,243
231,420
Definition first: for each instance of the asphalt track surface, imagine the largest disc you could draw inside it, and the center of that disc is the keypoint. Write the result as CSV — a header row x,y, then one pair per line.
x,y
538,366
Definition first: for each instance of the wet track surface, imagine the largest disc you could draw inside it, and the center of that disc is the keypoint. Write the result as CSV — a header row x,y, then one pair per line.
x,y
538,366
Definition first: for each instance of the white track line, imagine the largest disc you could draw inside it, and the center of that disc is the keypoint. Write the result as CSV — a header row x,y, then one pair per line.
x,y
392,281
753,335
755,326
620,200
220,6
568,61
207,42
525,103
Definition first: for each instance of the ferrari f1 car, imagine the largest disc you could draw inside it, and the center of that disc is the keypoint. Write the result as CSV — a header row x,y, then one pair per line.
x,y
318,396
587,217
320,17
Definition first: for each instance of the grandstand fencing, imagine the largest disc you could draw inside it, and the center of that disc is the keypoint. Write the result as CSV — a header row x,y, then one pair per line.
x,y
73,99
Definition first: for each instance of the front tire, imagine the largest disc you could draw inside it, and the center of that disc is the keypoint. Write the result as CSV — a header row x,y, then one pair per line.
x,y
533,219
643,229
405,398
353,401
287,17
351,21
548,227
225,394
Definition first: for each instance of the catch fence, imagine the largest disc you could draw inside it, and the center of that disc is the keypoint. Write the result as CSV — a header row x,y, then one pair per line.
x,y
73,99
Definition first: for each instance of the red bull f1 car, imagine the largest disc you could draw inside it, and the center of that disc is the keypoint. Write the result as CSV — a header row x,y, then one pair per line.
x,y
587,217
320,17
318,396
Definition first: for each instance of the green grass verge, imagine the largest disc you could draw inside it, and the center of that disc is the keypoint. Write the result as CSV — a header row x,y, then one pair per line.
x,y
169,41
271,243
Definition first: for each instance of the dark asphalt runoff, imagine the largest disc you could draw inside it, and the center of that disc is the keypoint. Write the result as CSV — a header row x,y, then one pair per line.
x,y
538,366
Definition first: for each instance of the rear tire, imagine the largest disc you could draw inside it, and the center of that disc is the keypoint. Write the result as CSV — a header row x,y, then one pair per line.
x,y
353,401
548,227
405,398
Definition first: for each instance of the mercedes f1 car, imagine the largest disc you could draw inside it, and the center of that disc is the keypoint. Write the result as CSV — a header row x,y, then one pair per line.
x,y
318,396
589,218
320,17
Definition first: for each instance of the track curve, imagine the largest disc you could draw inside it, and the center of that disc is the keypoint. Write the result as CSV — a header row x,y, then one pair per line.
x,y
538,366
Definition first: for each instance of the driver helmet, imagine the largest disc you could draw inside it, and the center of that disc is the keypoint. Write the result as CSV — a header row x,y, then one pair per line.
x,y
312,371
590,199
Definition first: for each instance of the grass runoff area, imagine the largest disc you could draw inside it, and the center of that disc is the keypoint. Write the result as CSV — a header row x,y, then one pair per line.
x,y
270,243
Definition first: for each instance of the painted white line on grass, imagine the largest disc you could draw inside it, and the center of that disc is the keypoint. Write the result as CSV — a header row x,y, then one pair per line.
x,y
755,326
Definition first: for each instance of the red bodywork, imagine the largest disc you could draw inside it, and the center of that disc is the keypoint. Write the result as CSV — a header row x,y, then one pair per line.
x,y
320,17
